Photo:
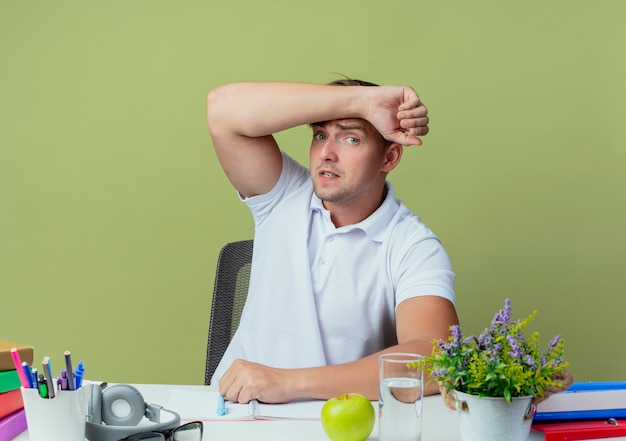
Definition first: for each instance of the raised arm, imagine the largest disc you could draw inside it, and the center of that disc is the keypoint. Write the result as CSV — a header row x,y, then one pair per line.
x,y
242,117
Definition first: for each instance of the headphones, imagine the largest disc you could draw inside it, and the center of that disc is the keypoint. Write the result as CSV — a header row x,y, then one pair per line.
x,y
113,413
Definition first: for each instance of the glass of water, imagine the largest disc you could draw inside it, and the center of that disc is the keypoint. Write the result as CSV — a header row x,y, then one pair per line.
x,y
400,397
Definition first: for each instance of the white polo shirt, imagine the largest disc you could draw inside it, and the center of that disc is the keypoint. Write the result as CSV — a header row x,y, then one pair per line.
x,y
323,295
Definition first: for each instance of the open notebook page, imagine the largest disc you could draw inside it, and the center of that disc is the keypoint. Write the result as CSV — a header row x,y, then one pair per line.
x,y
194,405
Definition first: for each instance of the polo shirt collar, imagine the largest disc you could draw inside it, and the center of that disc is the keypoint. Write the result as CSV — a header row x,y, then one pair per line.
x,y
374,225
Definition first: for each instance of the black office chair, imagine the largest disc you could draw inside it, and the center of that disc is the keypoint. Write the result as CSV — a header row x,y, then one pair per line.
x,y
229,295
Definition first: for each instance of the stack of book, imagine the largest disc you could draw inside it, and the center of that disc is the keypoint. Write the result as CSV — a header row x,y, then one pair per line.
x,y
12,416
586,411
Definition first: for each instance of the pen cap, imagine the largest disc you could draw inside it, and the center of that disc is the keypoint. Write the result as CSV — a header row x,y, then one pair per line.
x,y
62,417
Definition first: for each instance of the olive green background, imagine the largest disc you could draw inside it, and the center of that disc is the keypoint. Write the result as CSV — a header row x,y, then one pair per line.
x,y
113,207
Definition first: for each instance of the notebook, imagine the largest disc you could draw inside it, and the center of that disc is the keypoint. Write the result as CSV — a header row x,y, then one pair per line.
x,y
195,405
585,401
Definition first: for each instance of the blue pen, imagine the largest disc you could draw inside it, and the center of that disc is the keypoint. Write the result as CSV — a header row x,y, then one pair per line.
x,y
28,373
221,405
80,372
34,377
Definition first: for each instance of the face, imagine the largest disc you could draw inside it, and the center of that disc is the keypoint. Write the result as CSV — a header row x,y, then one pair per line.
x,y
348,163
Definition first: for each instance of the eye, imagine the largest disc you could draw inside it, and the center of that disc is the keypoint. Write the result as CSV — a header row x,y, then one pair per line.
x,y
352,140
319,136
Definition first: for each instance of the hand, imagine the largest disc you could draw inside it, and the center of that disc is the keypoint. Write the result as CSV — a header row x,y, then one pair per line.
x,y
244,381
398,114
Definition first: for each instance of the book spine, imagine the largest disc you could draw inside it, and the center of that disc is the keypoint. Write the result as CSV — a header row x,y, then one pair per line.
x,y
9,380
12,425
10,402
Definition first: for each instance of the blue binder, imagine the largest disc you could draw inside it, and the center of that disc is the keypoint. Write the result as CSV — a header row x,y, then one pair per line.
x,y
586,415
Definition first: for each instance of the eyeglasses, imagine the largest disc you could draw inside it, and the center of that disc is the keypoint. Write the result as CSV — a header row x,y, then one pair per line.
x,y
187,432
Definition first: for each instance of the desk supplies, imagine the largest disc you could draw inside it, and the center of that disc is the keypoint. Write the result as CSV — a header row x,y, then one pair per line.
x,y
78,375
45,382
221,405
10,402
18,366
42,386
28,373
204,406
62,381
25,353
70,371
48,377
581,430
14,374
584,401
12,425
60,418
9,380
34,377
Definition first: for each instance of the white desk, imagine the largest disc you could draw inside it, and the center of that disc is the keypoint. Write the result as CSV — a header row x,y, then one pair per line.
x,y
440,423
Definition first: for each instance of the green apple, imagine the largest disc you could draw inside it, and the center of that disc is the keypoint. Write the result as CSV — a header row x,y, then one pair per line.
x,y
348,417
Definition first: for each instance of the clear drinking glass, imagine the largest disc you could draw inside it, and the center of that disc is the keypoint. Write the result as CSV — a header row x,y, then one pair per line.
x,y
400,397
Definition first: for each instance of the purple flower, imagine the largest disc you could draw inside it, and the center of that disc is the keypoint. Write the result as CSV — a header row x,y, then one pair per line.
x,y
438,373
484,339
516,351
503,346
456,334
503,317
555,341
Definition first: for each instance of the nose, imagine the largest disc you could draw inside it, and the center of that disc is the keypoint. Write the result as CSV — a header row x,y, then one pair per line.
x,y
328,151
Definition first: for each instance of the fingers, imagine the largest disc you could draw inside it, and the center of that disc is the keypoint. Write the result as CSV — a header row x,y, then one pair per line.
x,y
229,386
411,103
418,112
410,99
235,392
411,123
244,381
414,121
407,139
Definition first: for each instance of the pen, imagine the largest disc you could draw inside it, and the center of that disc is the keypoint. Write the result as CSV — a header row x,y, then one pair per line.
x,y
28,374
18,367
70,371
43,387
34,377
80,372
48,375
49,365
221,405
62,380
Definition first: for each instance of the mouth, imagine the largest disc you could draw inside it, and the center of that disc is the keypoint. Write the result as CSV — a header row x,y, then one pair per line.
x,y
328,174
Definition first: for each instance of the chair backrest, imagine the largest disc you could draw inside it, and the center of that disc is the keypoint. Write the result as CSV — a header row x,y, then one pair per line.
x,y
229,295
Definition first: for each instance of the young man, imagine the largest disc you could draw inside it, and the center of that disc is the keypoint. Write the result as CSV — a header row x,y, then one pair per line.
x,y
342,271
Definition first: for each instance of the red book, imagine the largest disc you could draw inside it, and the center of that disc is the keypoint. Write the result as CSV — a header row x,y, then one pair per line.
x,y
582,430
10,402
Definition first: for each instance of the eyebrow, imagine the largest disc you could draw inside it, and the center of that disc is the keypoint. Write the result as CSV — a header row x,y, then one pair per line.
x,y
349,126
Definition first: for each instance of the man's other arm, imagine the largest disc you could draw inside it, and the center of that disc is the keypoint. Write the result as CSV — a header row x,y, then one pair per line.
x,y
420,320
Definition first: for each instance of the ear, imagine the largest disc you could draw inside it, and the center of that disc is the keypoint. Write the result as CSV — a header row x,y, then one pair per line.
x,y
392,157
